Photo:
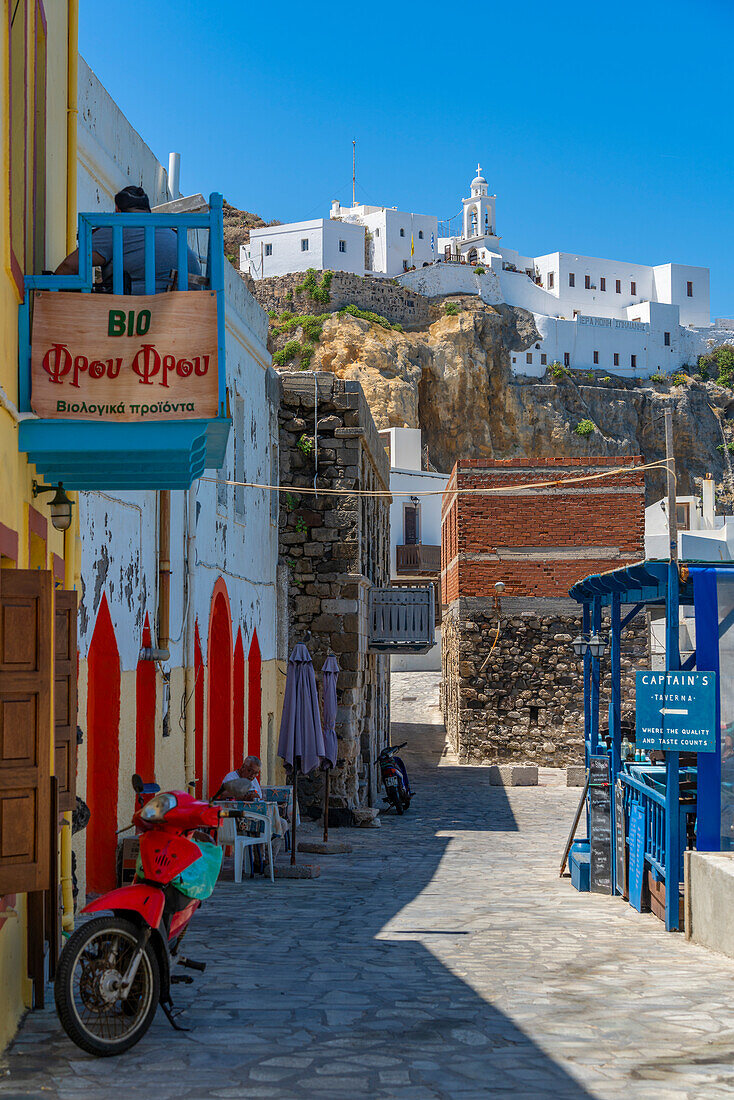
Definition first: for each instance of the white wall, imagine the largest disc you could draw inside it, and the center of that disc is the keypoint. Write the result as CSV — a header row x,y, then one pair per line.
x,y
111,154
323,251
389,251
450,278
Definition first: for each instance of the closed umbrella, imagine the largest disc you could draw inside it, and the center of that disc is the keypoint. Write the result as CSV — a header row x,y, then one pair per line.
x,y
301,741
329,674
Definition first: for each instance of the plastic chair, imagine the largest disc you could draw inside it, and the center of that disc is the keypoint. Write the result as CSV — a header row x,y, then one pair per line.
x,y
228,834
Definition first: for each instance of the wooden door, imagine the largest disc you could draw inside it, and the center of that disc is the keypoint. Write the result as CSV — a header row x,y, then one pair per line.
x,y
65,696
26,668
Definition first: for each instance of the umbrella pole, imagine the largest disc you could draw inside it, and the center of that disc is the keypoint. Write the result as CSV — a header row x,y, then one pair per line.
x,y
294,812
326,804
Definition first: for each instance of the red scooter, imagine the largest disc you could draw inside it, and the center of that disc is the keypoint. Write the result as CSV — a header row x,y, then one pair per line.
x,y
116,969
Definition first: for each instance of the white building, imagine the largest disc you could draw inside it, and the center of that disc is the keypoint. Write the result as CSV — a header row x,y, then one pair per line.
x,y
322,244
702,534
624,318
190,714
415,531
364,240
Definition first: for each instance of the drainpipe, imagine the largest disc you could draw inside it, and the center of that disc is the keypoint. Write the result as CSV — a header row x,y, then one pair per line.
x,y
164,571
190,671
709,506
72,111
71,542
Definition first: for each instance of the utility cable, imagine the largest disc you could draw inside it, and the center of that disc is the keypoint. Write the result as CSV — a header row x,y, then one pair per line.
x,y
662,464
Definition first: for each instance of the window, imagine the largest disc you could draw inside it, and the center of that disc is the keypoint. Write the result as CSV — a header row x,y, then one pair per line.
x,y
529,357
633,362
411,524
551,279
402,232
543,359
633,289
377,231
304,244
587,282
602,283
405,265
666,339
689,289
566,359
683,516
342,246
619,286
571,279
616,358
596,358
420,234
268,250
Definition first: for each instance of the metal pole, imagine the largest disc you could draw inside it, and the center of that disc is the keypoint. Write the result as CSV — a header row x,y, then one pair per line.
x,y
615,718
294,811
672,663
326,804
354,172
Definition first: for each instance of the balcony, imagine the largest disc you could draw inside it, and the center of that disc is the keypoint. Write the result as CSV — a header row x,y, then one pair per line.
x,y
402,620
418,558
165,420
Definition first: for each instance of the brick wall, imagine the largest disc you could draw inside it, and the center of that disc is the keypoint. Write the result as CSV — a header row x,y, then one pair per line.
x,y
540,541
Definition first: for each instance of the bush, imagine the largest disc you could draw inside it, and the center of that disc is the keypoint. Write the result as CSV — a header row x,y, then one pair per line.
x,y
729,447
479,270
272,314
658,377
451,309
679,380
290,351
606,378
584,427
306,355
318,289
719,364
368,315
557,371
305,446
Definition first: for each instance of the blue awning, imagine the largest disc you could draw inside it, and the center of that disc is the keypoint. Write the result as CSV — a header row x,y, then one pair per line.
x,y
644,582
87,455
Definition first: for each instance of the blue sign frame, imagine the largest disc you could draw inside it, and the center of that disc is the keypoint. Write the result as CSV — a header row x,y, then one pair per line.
x,y
676,711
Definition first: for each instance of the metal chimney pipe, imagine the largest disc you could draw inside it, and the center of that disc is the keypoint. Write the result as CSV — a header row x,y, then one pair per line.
x,y
174,173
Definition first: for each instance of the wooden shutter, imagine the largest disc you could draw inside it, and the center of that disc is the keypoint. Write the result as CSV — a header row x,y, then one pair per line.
x,y
26,668
65,696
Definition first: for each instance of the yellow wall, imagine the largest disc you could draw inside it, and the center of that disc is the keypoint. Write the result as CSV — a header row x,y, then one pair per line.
x,y
17,475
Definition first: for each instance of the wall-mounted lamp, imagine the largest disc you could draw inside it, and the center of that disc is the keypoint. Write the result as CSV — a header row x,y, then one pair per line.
x,y
60,507
499,588
580,645
597,646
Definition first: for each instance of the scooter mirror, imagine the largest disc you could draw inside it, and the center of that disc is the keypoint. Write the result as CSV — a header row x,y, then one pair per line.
x,y
137,784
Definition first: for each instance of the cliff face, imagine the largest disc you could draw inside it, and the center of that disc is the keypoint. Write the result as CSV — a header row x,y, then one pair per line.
x,y
454,380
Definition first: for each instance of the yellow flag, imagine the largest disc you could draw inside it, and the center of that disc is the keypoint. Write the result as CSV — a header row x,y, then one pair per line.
x,y
412,246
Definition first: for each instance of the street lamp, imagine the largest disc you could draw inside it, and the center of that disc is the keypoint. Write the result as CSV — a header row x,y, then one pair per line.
x,y
580,645
60,506
597,646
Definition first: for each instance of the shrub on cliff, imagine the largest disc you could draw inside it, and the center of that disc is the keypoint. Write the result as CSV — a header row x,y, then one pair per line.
x,y
584,427
719,364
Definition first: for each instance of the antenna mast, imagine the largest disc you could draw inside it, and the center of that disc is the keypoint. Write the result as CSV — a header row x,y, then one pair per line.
x,y
354,170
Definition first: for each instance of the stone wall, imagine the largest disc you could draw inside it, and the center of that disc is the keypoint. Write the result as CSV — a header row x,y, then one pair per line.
x,y
517,695
333,549
398,304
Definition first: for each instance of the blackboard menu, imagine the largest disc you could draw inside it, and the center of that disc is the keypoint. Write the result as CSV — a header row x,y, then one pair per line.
x,y
620,840
600,825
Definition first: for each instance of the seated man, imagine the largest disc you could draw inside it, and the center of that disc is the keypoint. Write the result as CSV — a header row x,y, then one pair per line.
x,y
133,200
246,773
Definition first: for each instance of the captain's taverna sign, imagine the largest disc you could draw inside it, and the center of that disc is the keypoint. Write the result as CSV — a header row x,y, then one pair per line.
x,y
124,358
676,711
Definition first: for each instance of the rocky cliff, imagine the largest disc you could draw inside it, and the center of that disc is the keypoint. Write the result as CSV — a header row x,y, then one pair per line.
x,y
454,380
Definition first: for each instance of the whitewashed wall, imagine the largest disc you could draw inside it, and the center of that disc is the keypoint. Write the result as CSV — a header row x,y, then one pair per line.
x,y
288,255
441,279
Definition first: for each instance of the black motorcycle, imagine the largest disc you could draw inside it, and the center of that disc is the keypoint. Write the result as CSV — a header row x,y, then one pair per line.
x,y
395,778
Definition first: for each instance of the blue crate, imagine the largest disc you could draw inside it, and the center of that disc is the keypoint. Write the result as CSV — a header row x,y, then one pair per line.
x,y
579,861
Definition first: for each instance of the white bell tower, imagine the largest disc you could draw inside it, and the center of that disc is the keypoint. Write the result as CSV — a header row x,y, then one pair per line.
x,y
479,220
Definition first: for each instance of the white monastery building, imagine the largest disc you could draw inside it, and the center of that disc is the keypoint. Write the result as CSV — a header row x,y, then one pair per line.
x,y
592,314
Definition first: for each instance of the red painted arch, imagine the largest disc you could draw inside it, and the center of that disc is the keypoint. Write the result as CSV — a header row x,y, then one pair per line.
x,y
145,690
198,713
103,752
254,697
219,670
238,702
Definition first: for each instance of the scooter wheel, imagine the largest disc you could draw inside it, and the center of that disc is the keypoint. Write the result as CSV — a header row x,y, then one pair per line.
x,y
395,799
88,974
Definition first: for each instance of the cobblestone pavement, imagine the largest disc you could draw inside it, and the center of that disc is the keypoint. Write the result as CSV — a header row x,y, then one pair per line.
x,y
442,959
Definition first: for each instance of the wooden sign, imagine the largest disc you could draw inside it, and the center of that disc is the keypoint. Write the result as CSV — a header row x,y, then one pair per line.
x,y
120,358
600,825
620,840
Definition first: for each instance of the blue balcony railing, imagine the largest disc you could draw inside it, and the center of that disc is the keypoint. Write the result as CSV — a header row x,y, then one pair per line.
x,y
157,454
637,793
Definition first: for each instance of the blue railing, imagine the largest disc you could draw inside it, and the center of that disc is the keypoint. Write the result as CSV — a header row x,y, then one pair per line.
x,y
652,802
157,454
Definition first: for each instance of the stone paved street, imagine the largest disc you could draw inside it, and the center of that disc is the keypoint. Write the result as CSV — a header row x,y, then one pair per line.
x,y
442,959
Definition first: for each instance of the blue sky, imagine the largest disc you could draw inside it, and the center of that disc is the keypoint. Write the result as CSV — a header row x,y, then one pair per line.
x,y
604,129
